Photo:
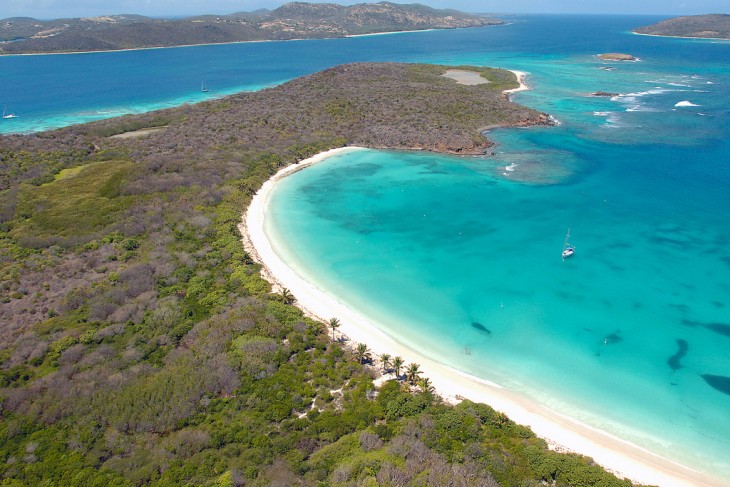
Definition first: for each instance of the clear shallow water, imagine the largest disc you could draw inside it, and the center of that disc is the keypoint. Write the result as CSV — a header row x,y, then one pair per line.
x,y
461,256
455,254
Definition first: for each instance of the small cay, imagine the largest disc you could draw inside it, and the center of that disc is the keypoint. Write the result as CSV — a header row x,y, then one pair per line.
x,y
616,56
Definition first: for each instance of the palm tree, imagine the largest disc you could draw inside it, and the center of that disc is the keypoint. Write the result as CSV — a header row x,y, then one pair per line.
x,y
397,363
412,373
287,297
314,328
362,351
426,386
385,359
334,324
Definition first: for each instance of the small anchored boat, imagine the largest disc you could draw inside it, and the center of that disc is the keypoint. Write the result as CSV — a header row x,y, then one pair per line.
x,y
7,115
568,249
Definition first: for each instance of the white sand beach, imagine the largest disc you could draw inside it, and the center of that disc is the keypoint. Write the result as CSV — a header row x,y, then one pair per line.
x,y
521,77
562,433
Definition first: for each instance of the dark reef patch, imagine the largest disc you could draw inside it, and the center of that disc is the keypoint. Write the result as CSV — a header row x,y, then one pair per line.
x,y
719,328
614,337
610,339
719,382
481,327
675,360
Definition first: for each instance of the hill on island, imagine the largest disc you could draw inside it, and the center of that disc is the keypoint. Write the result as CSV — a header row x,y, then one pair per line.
x,y
141,346
713,26
296,20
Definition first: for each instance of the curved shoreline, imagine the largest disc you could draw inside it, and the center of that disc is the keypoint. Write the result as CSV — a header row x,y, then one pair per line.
x,y
561,432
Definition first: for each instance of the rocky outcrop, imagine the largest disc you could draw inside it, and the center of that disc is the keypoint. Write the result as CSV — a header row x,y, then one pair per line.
x,y
616,56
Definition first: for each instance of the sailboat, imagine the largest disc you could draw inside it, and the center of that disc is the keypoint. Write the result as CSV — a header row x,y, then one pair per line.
x,y
568,249
7,115
204,88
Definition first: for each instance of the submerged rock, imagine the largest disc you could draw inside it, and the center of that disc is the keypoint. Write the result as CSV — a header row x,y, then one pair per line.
x,y
616,56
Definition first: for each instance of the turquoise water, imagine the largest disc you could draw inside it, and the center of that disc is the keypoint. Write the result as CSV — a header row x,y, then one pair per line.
x,y
451,255
460,257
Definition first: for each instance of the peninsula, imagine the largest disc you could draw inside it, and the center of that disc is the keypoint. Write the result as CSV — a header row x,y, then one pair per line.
x,y
297,20
713,26
140,343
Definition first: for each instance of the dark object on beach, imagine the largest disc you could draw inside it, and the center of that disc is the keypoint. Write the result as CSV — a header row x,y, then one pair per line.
x,y
674,360
719,382
481,327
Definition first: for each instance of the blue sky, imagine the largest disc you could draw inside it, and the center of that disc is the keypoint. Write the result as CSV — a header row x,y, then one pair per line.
x,y
47,9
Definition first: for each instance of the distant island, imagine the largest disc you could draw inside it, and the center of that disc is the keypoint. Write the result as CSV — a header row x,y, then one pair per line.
x,y
713,26
297,20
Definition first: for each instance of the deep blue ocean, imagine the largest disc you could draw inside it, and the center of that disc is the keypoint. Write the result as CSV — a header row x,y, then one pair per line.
x,y
460,257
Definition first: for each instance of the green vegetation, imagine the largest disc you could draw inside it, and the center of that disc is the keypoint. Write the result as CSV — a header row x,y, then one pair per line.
x,y
81,202
141,346
297,20
713,26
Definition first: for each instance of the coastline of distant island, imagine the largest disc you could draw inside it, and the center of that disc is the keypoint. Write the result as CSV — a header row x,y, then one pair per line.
x,y
292,21
711,26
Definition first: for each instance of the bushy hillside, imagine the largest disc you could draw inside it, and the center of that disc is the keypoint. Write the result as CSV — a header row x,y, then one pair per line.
x,y
707,26
297,20
140,346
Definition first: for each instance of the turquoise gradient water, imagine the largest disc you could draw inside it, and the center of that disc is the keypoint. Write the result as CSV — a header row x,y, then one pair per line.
x,y
460,257
455,255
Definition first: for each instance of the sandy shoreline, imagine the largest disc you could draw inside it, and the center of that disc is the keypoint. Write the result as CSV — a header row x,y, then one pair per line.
x,y
521,77
561,432
215,43
683,37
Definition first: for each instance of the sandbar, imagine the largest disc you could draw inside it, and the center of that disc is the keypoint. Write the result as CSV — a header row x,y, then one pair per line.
x,y
560,431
